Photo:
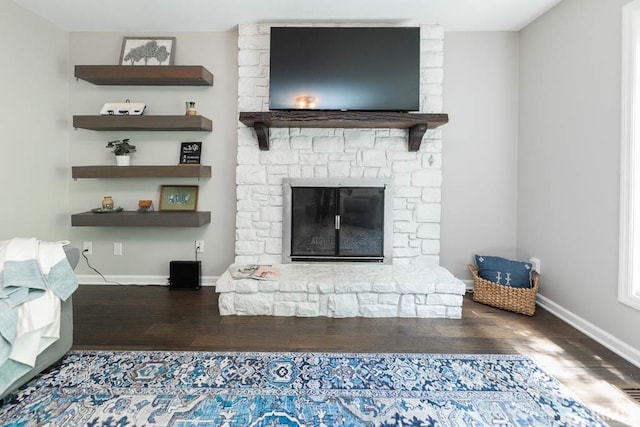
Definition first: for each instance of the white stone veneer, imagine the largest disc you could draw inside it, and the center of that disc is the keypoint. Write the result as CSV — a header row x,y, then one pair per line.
x,y
345,290
415,286
320,153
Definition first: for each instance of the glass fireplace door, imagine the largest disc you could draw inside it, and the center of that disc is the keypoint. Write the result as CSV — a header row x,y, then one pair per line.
x,y
360,222
335,223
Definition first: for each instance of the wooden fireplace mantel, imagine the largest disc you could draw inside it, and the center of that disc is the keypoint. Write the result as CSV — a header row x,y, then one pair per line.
x,y
417,123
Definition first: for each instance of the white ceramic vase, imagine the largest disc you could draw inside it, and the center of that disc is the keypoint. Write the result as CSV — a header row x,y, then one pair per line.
x,y
123,160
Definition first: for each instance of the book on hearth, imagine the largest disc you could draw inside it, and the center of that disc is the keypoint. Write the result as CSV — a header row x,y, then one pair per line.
x,y
254,271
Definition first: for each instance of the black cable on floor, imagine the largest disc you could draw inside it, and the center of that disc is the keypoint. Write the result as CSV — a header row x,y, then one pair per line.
x,y
91,267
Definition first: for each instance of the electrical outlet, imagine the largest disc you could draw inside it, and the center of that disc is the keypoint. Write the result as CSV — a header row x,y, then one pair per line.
x,y
87,248
199,246
117,249
536,264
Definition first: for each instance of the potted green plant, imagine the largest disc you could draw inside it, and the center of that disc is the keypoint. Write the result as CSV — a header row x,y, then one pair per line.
x,y
121,148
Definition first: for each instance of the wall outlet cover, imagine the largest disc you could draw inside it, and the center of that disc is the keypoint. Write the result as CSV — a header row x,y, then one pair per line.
x,y
87,248
536,264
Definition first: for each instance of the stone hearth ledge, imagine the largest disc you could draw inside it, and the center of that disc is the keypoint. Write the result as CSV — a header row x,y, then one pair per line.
x,y
345,290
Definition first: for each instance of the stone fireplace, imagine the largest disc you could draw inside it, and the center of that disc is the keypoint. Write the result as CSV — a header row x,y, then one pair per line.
x,y
317,154
370,171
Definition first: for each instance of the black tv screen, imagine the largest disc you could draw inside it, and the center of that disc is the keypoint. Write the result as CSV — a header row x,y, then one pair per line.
x,y
350,68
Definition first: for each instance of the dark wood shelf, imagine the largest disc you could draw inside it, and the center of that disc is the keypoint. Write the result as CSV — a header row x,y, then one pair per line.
x,y
417,123
177,171
172,75
128,75
137,219
162,123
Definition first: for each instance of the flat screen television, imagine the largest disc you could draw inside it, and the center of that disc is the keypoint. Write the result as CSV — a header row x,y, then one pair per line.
x,y
345,68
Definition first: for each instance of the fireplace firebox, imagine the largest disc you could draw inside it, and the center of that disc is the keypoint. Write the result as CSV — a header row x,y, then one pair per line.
x,y
337,220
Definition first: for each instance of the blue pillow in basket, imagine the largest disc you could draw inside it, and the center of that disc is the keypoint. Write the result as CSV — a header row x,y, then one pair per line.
x,y
504,271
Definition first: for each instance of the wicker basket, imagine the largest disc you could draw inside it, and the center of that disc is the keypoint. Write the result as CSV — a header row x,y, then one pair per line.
x,y
518,300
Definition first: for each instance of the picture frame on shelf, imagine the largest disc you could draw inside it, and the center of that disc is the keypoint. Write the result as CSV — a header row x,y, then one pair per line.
x,y
190,153
141,51
178,198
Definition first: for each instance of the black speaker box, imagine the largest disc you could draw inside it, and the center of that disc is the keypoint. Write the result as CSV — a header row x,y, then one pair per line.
x,y
185,275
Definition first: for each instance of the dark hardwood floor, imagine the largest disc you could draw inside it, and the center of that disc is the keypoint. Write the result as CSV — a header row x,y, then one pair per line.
x,y
157,318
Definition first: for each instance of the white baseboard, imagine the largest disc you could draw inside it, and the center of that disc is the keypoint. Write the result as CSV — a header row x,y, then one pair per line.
x,y
614,344
115,280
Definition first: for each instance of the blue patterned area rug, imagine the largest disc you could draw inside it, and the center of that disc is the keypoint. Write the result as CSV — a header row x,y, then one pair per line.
x,y
294,389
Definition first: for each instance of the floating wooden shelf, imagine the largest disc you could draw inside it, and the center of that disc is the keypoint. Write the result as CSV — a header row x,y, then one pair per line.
x,y
128,75
172,75
177,171
417,123
136,219
162,123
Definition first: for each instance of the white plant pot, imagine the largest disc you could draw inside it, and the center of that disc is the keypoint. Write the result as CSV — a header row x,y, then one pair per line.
x,y
123,160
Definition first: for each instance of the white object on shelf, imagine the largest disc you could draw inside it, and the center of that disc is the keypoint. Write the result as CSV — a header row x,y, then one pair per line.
x,y
123,109
123,161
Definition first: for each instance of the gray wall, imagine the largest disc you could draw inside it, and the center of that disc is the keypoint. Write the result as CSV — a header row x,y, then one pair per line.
x,y
559,203
33,126
147,251
569,159
479,152
474,219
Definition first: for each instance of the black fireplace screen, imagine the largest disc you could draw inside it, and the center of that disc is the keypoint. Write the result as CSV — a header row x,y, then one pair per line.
x,y
337,222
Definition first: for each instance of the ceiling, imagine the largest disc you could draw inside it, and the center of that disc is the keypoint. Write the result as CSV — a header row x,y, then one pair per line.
x,y
224,15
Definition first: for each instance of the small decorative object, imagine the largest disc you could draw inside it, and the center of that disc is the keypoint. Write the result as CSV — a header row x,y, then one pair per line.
x,y
102,210
145,206
126,108
179,198
306,102
191,108
190,153
148,51
121,148
107,202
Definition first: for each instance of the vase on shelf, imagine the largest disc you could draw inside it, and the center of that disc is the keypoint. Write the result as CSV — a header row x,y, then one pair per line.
x,y
191,108
123,161
107,202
